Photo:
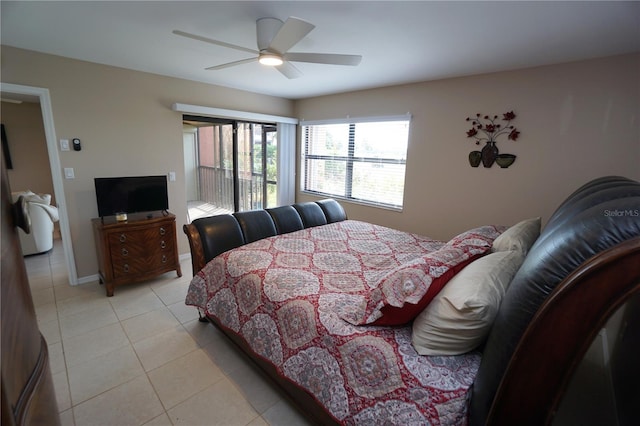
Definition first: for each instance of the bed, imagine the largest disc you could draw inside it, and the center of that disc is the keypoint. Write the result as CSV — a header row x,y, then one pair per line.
x,y
355,321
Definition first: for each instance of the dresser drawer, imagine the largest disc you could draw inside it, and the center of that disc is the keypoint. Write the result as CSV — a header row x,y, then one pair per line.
x,y
138,265
150,236
136,251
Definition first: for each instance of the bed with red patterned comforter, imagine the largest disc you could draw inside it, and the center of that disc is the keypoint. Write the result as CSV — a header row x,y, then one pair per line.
x,y
326,306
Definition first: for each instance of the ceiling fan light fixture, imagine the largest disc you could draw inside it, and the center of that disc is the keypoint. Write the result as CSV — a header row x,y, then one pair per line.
x,y
270,59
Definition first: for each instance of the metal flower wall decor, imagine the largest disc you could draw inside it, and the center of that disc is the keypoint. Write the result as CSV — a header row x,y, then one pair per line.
x,y
487,129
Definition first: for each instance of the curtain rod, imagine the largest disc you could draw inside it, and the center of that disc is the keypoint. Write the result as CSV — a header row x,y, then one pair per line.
x,y
230,113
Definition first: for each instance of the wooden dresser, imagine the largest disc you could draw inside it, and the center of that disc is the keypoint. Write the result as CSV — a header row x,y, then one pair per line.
x,y
137,249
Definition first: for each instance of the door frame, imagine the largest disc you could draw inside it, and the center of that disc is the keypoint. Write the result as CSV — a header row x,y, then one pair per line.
x,y
56,170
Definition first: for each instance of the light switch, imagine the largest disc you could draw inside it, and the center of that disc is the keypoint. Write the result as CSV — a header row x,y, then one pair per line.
x,y
172,176
69,173
64,144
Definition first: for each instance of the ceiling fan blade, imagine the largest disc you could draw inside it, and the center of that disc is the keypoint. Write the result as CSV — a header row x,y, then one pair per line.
x,y
324,58
288,70
231,64
212,41
291,32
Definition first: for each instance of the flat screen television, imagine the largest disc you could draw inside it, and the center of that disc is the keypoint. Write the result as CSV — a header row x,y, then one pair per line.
x,y
131,194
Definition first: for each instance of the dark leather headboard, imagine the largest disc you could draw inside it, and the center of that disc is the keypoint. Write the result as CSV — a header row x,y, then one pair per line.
x,y
255,225
598,216
311,214
286,219
218,234
213,235
332,210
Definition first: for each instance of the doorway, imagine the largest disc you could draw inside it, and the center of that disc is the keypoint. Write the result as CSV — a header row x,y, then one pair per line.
x,y
43,97
230,165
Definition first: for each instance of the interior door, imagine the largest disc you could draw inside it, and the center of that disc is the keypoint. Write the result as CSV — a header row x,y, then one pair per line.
x,y
28,396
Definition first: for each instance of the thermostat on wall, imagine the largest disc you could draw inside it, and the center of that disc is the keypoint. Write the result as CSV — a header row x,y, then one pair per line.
x,y
76,144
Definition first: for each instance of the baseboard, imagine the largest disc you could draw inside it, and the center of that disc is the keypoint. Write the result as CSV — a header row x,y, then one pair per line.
x,y
88,279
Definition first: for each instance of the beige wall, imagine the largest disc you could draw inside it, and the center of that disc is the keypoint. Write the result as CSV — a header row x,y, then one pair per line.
x,y
28,147
126,125
578,121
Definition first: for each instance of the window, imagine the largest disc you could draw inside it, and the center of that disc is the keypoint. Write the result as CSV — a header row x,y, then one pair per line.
x,y
362,161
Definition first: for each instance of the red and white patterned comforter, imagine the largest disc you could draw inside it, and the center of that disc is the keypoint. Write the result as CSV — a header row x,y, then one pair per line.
x,y
282,295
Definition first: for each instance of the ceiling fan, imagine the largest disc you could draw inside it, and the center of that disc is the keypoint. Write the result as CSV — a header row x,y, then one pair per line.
x,y
275,38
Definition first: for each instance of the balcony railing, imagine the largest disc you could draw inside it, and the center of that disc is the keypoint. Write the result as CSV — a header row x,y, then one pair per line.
x,y
216,187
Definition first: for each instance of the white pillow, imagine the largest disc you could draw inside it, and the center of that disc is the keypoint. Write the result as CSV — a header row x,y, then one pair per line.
x,y
459,318
520,236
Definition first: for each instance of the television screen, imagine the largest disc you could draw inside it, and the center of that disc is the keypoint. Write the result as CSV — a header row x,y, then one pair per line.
x,y
131,194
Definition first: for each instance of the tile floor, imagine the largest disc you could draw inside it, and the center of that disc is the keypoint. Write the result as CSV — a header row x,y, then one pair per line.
x,y
142,357
197,209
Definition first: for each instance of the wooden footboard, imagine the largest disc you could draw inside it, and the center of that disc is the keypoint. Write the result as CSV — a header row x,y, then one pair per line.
x,y
195,245
546,357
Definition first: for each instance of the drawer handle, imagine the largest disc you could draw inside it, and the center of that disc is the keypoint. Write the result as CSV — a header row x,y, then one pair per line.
x,y
162,231
126,267
163,244
164,259
123,238
125,252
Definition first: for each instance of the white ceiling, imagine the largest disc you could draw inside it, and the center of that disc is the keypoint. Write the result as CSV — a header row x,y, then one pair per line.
x,y
401,42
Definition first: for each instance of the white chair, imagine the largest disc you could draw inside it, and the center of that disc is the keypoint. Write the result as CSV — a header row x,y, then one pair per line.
x,y
42,215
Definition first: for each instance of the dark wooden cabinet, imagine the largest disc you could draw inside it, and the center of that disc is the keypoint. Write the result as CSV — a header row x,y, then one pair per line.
x,y
137,249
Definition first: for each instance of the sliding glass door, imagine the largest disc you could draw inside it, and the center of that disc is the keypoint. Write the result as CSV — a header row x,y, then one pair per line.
x,y
215,165
236,163
270,164
257,165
